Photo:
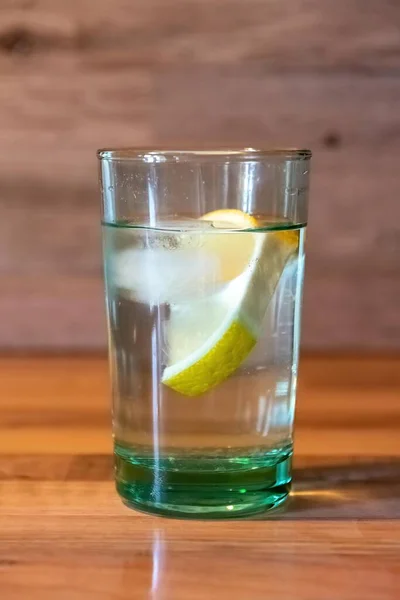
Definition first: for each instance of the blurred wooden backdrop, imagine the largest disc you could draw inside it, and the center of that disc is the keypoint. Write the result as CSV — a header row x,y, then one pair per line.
x,y
79,74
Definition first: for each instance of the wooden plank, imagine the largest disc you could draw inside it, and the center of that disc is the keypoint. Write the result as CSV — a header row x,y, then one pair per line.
x,y
50,255
58,467
52,312
75,78
67,312
88,533
62,404
126,556
50,231
319,493
354,311
298,33
53,119
64,533
353,270
301,110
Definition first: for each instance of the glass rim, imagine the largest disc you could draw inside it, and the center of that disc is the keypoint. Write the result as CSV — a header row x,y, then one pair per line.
x,y
161,155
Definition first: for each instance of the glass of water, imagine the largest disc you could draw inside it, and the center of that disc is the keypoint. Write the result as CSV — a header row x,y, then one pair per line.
x,y
204,260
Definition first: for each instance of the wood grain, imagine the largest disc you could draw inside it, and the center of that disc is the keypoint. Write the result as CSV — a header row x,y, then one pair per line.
x,y
50,238
74,78
138,557
63,403
298,33
64,533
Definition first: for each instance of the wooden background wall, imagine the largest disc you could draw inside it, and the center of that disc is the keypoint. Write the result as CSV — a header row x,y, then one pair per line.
x,y
79,74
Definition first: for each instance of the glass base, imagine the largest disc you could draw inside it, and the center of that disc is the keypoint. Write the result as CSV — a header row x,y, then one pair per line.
x,y
204,488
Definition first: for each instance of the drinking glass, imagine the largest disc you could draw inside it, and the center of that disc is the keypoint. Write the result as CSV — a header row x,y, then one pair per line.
x,y
204,261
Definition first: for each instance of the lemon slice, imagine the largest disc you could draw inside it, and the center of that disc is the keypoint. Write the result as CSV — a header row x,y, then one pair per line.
x,y
209,339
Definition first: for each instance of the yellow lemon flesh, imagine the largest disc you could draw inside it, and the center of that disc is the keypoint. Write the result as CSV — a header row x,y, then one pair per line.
x,y
209,338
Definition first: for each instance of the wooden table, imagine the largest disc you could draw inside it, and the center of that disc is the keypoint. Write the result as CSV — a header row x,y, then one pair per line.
x,y
64,535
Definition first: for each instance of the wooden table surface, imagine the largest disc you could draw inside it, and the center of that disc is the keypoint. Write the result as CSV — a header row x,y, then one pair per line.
x,y
64,534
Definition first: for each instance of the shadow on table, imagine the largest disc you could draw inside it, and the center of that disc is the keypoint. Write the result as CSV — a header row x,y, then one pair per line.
x,y
357,490
350,488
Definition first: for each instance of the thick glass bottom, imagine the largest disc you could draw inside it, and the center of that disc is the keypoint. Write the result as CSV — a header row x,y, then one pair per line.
x,y
211,487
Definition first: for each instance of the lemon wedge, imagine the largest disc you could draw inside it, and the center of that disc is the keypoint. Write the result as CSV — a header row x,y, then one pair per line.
x,y
209,338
